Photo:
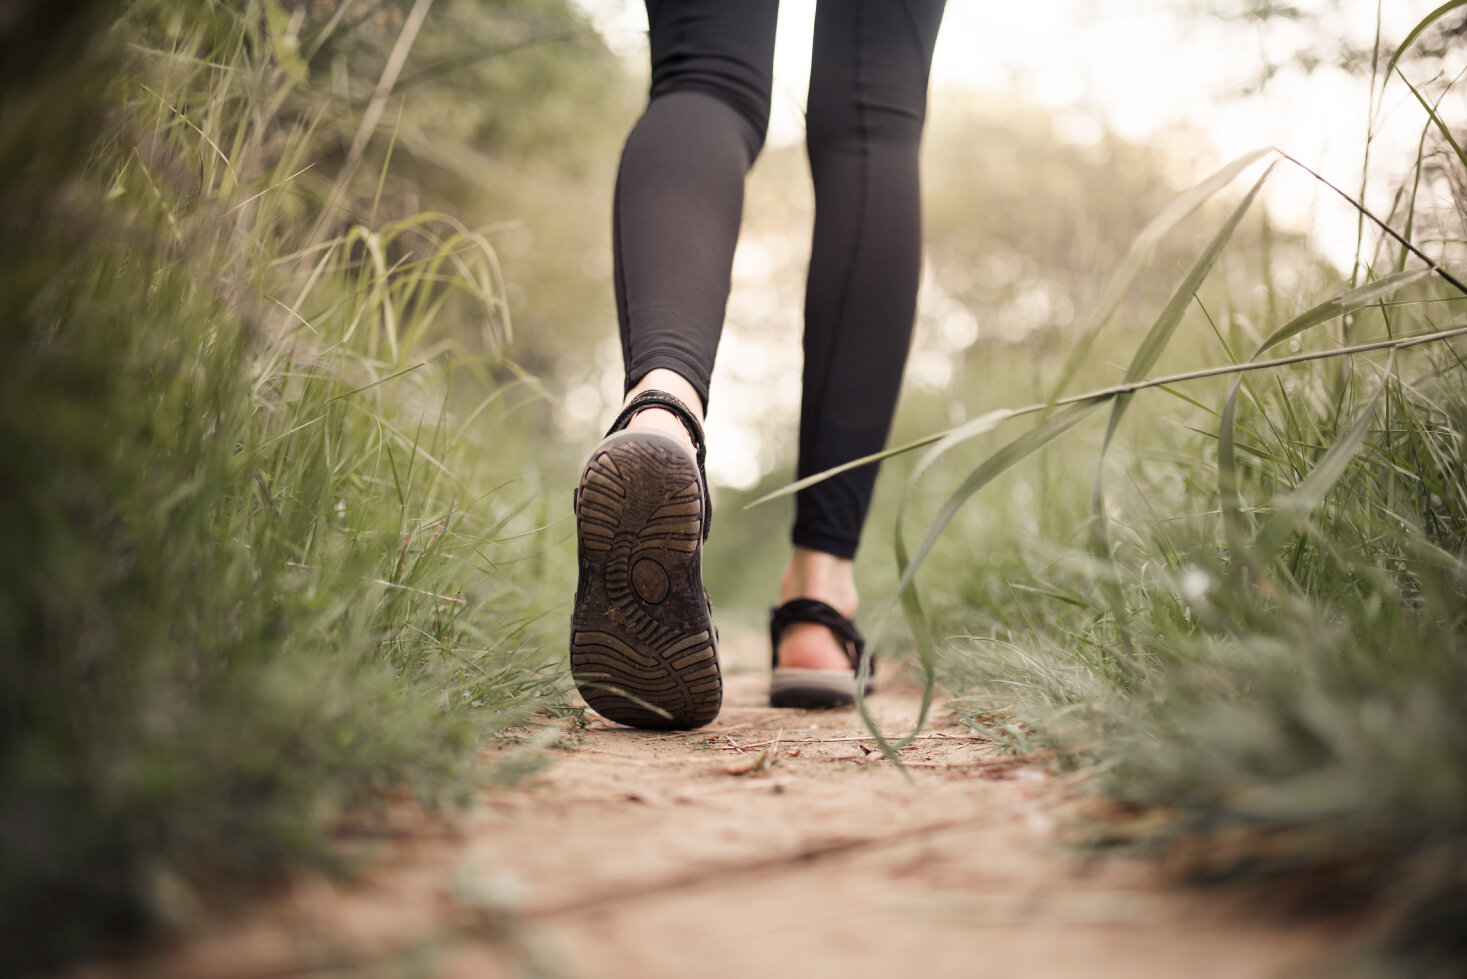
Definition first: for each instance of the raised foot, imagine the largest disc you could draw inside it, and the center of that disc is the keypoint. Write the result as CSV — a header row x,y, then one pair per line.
x,y
643,648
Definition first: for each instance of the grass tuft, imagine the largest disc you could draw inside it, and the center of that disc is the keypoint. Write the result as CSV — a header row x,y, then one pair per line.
x,y
257,572
1261,655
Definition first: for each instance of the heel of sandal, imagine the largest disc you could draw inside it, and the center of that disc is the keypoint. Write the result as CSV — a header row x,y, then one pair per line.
x,y
791,686
643,648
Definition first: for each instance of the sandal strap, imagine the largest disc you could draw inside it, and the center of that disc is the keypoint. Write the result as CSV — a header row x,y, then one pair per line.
x,y
813,610
661,399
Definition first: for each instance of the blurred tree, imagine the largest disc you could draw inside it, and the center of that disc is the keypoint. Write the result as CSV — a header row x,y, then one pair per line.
x,y
506,114
1311,34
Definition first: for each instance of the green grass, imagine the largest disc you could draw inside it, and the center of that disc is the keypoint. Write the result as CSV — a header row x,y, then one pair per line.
x,y
1244,612
262,564
1287,715
275,543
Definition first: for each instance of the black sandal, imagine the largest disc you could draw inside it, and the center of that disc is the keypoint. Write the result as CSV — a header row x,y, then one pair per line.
x,y
643,649
792,686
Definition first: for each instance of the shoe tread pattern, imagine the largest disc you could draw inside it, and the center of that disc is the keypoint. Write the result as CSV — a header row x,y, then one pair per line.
x,y
641,629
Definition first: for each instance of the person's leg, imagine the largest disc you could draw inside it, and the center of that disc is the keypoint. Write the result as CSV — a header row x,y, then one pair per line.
x,y
643,648
867,105
680,190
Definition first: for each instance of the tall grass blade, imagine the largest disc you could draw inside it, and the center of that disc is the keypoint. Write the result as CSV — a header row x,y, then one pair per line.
x,y
1419,29
950,439
1140,252
1436,119
1346,302
825,474
906,591
1384,226
1146,357
1341,305
1165,327
1291,512
371,384
986,472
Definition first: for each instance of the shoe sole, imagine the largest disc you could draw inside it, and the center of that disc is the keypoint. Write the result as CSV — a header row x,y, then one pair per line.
x,y
643,649
812,689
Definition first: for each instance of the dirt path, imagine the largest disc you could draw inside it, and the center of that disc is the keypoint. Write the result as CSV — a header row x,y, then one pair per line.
x,y
644,855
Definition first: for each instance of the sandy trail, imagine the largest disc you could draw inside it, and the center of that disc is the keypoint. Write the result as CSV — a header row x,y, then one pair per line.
x,y
644,854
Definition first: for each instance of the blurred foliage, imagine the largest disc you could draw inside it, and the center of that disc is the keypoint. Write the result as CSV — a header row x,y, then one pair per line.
x,y
309,321
1268,691
1310,36
1029,213
518,114
272,549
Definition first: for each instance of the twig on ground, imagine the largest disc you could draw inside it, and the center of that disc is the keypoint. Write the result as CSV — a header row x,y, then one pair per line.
x,y
920,737
760,763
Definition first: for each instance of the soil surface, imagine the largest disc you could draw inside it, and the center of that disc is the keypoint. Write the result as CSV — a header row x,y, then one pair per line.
x,y
771,843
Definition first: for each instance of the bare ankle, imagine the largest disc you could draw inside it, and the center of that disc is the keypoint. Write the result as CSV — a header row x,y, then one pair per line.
x,y
821,576
660,419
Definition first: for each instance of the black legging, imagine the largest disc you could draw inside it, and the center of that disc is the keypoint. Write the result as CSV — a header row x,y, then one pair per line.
x,y
679,198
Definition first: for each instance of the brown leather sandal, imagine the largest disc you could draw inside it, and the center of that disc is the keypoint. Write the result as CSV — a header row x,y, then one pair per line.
x,y
643,648
792,686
